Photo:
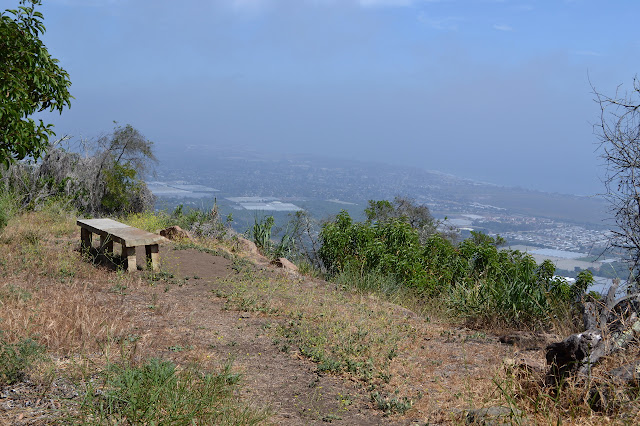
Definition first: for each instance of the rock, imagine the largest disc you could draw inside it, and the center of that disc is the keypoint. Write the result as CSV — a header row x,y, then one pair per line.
x,y
497,415
247,246
175,233
525,366
285,264
628,373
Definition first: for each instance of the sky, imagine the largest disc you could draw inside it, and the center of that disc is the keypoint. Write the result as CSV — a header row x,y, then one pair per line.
x,y
495,91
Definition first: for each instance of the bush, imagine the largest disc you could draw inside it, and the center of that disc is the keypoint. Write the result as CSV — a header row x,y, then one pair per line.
x,y
478,282
200,222
261,234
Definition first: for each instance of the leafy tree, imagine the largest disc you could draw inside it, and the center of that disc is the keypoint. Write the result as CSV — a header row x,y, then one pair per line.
x,y
405,209
380,211
124,157
30,81
120,181
126,145
480,239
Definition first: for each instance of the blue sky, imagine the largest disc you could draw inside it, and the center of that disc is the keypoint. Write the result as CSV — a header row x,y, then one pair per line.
x,y
496,91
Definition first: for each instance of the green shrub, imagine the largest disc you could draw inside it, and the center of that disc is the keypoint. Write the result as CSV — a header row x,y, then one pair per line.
x,y
391,248
158,393
201,222
476,280
390,403
16,358
261,234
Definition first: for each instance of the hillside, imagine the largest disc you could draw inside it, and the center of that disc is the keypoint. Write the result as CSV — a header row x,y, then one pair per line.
x,y
282,348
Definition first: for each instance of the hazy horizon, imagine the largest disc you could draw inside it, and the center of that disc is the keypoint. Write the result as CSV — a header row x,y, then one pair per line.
x,y
493,91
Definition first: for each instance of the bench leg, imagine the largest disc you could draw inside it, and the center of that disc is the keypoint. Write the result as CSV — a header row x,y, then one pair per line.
x,y
85,239
152,256
130,254
106,245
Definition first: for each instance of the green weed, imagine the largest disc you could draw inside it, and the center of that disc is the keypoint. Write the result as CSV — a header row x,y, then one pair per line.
x,y
159,393
16,358
149,221
391,403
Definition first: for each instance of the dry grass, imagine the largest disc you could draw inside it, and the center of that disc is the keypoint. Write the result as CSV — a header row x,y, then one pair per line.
x,y
50,293
73,307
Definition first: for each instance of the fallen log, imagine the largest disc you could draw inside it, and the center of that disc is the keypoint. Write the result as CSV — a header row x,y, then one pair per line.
x,y
608,328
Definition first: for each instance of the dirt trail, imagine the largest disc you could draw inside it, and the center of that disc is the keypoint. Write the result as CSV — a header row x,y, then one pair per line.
x,y
188,323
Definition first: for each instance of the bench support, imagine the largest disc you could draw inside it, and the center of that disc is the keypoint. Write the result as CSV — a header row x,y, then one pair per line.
x,y
85,239
106,245
130,254
152,256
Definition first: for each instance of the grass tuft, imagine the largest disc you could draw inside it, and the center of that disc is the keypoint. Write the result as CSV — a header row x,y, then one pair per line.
x,y
16,358
157,392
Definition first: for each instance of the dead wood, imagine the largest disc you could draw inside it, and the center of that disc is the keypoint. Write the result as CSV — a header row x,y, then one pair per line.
x,y
610,327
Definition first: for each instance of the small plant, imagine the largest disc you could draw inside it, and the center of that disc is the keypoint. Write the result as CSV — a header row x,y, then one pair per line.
x,y
31,237
391,404
180,348
119,288
16,358
241,265
261,232
202,222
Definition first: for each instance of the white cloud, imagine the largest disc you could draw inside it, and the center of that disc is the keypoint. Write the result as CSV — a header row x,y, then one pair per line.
x,y
502,27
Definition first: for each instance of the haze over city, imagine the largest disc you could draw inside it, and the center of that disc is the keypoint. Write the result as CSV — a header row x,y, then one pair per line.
x,y
496,91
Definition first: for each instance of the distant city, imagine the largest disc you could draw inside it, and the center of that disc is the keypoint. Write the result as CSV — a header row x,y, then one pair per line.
x,y
570,230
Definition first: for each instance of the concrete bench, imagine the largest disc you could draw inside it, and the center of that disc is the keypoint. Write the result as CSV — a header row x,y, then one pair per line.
x,y
128,236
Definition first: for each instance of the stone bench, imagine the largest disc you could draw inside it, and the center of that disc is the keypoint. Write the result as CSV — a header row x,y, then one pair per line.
x,y
127,236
